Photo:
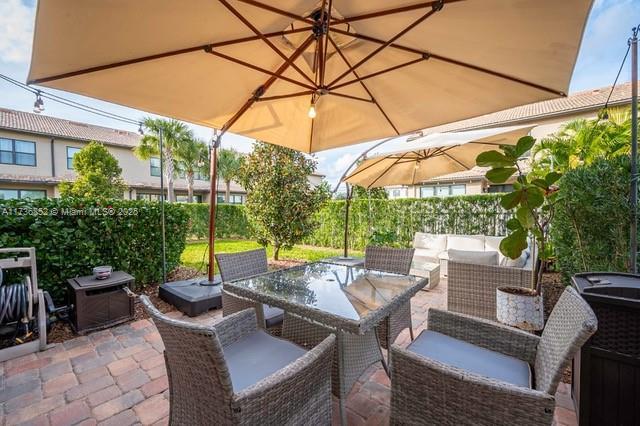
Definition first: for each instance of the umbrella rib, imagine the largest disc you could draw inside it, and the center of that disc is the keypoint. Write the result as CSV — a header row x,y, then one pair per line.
x,y
268,42
357,171
161,56
277,11
377,73
262,89
454,62
364,86
289,95
415,23
385,172
456,160
402,9
355,98
257,68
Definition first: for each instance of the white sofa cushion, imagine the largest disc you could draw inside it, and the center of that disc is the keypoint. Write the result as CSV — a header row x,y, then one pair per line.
x,y
516,263
492,243
423,240
465,242
474,257
430,255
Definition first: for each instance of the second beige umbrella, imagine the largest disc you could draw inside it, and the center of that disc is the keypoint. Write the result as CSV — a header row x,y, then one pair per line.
x,y
431,156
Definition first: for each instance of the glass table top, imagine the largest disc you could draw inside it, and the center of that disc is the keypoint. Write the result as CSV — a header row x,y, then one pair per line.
x,y
351,292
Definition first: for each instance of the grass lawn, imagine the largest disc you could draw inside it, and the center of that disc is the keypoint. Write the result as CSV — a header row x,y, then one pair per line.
x,y
195,253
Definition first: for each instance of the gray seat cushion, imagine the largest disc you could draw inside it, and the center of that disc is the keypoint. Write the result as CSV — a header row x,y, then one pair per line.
x,y
474,359
256,356
272,316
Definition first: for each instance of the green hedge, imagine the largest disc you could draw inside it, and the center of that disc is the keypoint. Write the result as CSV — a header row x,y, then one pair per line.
x,y
590,230
231,221
70,242
397,220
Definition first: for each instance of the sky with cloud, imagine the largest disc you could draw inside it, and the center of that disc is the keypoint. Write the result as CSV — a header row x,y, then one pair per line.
x,y
603,46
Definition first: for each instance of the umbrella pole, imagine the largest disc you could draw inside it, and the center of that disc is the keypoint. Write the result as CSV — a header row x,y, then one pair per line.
x,y
213,201
633,246
346,221
164,238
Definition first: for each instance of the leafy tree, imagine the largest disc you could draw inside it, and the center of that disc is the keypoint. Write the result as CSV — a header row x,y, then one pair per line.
x,y
581,142
174,133
532,199
229,161
281,202
98,174
191,157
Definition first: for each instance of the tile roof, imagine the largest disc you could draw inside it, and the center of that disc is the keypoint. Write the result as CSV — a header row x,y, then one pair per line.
x,y
43,124
586,100
476,173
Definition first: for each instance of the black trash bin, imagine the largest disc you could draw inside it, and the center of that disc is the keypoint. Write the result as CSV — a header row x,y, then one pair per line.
x,y
606,372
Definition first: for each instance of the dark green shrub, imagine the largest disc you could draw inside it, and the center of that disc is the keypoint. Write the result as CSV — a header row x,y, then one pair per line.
x,y
590,230
394,222
72,235
231,221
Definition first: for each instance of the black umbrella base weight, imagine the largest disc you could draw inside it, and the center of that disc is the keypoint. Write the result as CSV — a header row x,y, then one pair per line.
x,y
191,297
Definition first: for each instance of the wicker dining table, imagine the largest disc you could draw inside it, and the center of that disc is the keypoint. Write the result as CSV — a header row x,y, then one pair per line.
x,y
321,298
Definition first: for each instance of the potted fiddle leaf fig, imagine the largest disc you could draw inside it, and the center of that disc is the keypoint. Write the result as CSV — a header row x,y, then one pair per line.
x,y
532,201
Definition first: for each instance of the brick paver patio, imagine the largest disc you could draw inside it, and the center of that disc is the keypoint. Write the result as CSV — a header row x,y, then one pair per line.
x,y
117,377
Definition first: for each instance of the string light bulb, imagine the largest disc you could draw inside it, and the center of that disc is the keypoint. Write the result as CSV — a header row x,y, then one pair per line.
x,y
38,105
312,110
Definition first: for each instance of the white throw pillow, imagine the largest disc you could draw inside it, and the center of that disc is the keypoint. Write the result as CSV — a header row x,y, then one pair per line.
x,y
516,263
474,257
424,240
493,244
465,242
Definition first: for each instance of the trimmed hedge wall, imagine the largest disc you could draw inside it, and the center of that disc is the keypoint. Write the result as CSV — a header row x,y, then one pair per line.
x,y
590,230
394,222
231,221
73,235
389,222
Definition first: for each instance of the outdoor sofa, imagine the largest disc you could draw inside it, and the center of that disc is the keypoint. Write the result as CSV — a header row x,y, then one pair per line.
x,y
475,268
435,248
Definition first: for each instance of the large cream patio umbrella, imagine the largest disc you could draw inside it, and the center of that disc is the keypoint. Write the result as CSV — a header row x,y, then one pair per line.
x,y
371,68
430,156
309,74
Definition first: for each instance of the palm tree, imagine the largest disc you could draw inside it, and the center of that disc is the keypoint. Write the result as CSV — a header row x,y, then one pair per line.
x,y
191,157
229,161
174,133
583,141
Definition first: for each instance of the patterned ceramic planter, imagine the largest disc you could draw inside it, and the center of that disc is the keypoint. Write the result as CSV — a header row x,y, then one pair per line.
x,y
519,307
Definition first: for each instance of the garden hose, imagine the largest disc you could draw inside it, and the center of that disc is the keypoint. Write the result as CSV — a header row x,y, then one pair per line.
x,y
15,301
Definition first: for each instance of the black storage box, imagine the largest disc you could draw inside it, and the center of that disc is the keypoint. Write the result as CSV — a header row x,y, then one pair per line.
x,y
606,372
99,304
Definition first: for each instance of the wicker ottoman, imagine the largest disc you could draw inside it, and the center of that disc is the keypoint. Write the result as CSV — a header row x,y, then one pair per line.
x,y
424,267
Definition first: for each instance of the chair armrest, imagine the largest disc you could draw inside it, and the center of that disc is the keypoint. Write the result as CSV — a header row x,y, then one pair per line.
x,y
422,388
484,333
299,393
236,326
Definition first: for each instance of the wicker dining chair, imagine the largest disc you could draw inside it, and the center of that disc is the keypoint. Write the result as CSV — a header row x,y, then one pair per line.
x,y
232,372
397,261
236,266
465,370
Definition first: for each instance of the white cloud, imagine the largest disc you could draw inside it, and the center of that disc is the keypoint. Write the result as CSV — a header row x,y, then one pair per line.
x,y
16,31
